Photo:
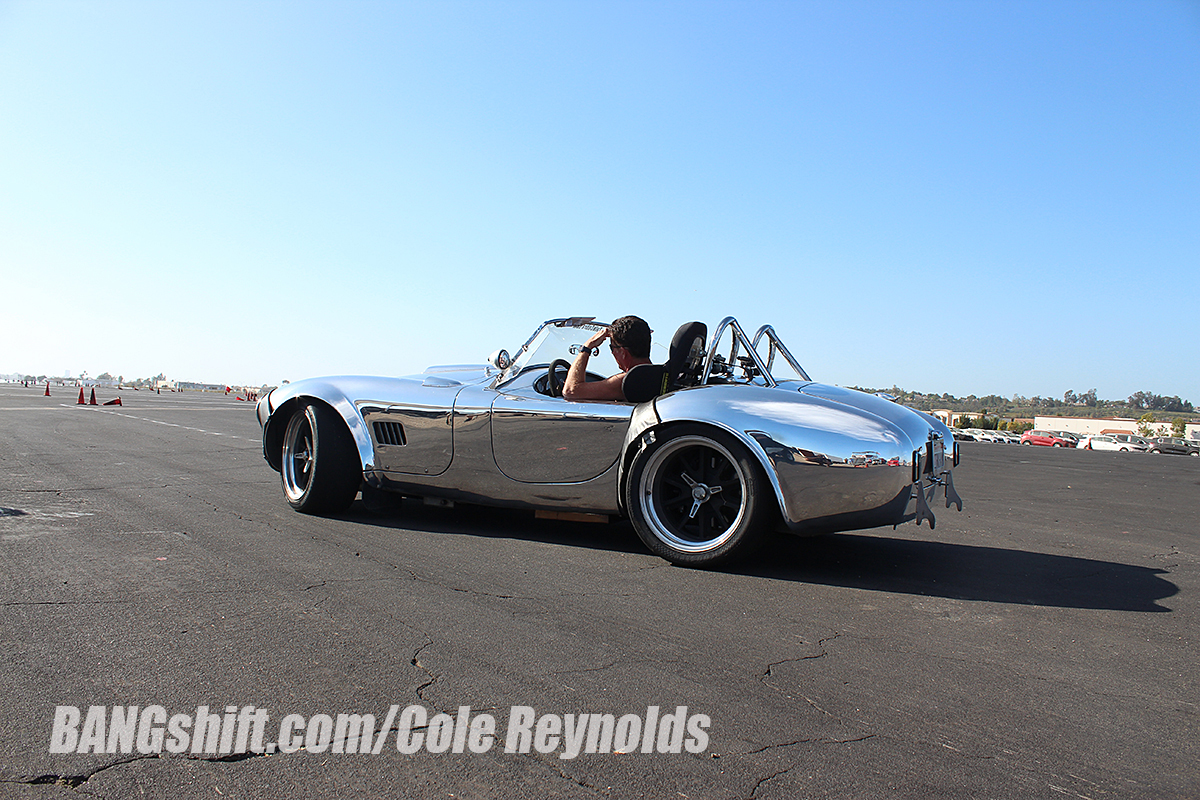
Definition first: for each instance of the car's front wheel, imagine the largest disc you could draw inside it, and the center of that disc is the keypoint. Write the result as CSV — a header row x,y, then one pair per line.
x,y
320,469
696,496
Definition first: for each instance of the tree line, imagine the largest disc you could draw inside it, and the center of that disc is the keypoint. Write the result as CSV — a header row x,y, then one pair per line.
x,y
1081,404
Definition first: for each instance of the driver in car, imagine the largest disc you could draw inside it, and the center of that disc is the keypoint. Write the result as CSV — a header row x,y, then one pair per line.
x,y
629,340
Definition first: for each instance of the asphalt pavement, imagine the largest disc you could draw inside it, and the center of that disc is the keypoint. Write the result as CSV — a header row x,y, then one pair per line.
x,y
1042,643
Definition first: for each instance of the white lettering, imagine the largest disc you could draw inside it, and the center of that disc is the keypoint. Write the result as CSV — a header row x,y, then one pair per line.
x,y
483,733
545,738
519,737
64,735
670,731
696,727
461,728
441,733
600,733
650,729
574,729
121,729
319,734
407,741
205,732
150,737
628,734
91,739
228,729
353,733
177,726
288,743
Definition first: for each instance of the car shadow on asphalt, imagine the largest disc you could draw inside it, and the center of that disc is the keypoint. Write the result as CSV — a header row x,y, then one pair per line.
x,y
861,560
959,571
500,523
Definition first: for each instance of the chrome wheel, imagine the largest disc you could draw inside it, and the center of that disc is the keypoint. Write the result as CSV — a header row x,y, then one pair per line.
x,y
319,464
298,455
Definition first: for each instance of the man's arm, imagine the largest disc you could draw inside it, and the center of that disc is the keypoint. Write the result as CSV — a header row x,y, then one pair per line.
x,y
577,386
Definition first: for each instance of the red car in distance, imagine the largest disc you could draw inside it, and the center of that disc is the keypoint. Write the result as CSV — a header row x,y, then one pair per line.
x,y
1046,439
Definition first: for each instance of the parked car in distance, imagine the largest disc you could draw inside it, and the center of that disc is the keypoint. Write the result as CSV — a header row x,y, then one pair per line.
x,y
1046,439
1100,442
1010,437
961,435
1169,444
1130,442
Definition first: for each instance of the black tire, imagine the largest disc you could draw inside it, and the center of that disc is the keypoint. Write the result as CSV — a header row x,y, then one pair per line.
x,y
696,496
319,467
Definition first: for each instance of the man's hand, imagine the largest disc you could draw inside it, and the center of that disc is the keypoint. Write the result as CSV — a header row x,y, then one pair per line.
x,y
577,387
598,338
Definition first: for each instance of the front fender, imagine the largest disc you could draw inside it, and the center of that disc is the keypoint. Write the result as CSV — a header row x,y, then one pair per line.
x,y
281,404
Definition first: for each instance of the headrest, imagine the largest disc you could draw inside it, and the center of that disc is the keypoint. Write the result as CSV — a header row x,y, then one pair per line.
x,y
687,349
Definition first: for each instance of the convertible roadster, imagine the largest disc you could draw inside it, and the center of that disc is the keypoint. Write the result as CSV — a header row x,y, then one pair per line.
x,y
725,440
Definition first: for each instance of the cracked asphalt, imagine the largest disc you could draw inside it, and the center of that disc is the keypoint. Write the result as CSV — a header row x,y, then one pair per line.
x,y
1042,643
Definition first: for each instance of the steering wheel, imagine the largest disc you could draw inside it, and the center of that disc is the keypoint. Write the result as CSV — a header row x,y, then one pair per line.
x,y
552,382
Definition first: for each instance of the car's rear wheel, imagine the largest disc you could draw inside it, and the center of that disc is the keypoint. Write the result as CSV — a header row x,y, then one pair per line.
x,y
320,469
696,496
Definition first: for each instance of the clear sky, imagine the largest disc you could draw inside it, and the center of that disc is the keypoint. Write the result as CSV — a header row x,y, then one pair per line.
x,y
969,197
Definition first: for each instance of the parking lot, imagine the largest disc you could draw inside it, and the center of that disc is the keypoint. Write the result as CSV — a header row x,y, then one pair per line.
x,y
1042,643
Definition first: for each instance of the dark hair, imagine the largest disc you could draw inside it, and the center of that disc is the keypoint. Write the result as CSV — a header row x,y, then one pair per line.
x,y
633,333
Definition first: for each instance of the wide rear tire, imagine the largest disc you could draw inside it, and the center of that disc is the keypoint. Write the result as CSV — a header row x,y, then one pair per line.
x,y
320,469
696,496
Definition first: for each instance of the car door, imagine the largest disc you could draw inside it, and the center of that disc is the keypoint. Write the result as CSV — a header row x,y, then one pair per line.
x,y
541,439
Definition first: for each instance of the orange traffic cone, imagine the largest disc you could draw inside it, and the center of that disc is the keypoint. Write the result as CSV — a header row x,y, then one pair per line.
x,y
116,402
81,402
47,388
93,397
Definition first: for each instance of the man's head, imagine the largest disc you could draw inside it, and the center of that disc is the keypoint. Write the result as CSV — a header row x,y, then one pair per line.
x,y
633,334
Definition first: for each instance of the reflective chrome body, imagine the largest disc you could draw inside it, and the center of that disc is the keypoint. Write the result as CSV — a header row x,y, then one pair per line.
x,y
836,459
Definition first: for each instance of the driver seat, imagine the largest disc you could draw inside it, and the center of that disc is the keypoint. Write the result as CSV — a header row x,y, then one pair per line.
x,y
647,381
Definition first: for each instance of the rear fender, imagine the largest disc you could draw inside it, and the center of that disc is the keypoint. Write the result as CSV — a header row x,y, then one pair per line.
x,y
647,422
824,460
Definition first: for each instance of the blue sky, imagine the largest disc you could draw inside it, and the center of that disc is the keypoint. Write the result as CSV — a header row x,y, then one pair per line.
x,y
970,197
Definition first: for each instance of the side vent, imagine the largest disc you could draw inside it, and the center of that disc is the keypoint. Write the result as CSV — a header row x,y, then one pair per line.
x,y
391,433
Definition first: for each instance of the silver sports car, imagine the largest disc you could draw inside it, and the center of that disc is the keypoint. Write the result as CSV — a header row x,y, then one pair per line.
x,y
727,439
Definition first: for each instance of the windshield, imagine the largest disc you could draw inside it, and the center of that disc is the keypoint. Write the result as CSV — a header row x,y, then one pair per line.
x,y
562,338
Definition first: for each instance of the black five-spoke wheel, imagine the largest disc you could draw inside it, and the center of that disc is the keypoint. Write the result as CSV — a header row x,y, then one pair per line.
x,y
696,496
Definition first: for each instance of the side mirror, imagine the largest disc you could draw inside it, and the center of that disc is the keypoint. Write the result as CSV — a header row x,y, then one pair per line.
x,y
500,359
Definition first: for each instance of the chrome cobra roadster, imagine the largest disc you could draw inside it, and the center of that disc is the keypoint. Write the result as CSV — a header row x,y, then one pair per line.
x,y
727,439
